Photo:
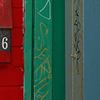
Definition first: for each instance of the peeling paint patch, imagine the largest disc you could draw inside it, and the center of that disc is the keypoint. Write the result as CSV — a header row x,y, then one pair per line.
x,y
77,50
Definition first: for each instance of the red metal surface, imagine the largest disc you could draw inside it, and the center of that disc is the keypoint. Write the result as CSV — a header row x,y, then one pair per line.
x,y
17,3
11,93
5,57
18,17
11,74
5,14
17,56
17,37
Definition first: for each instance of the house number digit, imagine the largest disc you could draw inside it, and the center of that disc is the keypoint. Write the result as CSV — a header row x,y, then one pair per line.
x,y
4,43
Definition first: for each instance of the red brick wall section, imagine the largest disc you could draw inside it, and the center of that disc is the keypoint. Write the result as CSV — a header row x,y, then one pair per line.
x,y
11,74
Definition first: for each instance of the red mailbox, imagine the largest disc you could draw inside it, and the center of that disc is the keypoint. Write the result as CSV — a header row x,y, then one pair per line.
x,y
11,49
5,30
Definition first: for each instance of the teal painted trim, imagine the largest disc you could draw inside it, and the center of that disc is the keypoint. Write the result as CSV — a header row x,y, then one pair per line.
x,y
28,50
42,50
58,50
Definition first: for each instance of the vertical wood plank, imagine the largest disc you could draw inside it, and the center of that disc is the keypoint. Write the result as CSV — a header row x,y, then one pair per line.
x,y
58,50
91,48
43,50
77,50
74,49
68,49
28,50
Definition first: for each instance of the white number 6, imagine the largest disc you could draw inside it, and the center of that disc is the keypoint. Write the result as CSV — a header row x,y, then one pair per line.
x,y
4,43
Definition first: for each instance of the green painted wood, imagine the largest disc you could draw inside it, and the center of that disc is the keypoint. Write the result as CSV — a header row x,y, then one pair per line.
x,y
28,50
58,50
42,50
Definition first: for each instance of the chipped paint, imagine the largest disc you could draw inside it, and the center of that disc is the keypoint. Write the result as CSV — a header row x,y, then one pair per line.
x,y
77,52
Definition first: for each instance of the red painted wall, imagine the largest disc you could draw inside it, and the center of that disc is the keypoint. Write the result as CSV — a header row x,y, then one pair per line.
x,y
11,74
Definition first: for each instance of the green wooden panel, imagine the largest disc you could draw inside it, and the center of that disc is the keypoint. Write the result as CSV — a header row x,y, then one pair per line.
x,y
42,50
58,50
28,50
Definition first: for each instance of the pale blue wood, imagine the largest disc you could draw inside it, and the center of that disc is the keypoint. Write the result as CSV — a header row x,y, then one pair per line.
x,y
91,73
